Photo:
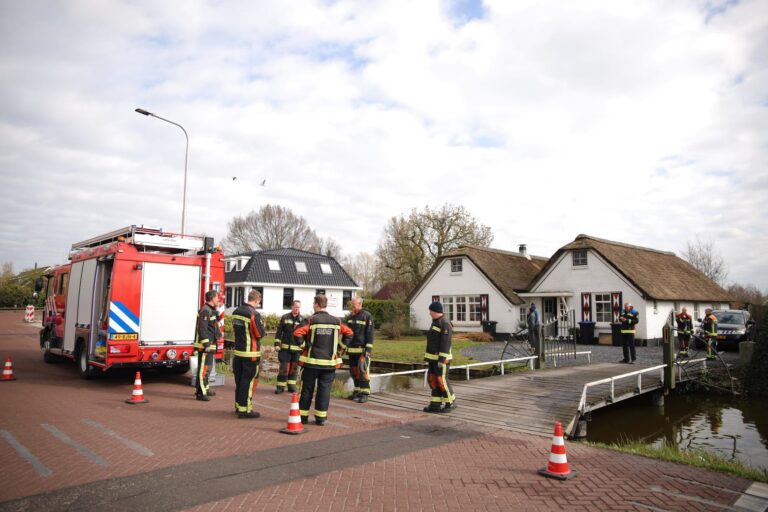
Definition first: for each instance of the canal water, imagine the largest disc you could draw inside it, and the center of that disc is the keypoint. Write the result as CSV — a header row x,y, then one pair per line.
x,y
734,428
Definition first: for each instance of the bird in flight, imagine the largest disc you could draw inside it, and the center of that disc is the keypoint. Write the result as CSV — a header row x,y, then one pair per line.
x,y
263,182
234,178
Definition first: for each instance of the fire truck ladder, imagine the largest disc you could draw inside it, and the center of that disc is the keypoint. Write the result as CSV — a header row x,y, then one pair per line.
x,y
147,237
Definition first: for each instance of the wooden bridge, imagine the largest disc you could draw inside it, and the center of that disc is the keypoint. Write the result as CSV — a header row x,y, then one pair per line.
x,y
531,401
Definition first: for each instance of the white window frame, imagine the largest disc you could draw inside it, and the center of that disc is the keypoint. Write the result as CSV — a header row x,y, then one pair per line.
x,y
608,307
523,319
325,268
576,258
461,309
274,265
301,266
457,265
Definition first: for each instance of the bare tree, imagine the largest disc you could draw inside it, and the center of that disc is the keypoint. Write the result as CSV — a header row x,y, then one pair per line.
x,y
6,271
747,294
702,255
363,269
410,245
272,227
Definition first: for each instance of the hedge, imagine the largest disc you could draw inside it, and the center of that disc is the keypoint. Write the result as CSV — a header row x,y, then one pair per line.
x,y
755,380
388,311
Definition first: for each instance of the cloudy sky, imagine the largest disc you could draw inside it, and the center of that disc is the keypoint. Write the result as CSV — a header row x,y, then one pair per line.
x,y
641,122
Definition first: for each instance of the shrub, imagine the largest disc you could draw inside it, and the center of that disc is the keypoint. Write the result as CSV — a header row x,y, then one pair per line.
x,y
388,311
755,381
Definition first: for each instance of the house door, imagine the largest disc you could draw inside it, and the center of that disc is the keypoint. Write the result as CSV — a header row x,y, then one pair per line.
x,y
549,307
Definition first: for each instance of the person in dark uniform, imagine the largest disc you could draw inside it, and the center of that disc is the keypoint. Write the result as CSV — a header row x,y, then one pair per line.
x,y
709,326
629,318
438,357
359,350
684,330
249,329
324,338
206,334
289,348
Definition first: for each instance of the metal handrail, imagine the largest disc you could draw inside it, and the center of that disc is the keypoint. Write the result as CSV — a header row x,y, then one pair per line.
x,y
612,380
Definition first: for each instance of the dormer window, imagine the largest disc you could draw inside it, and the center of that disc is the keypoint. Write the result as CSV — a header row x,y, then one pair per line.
x,y
301,266
579,258
326,268
274,265
456,265
240,264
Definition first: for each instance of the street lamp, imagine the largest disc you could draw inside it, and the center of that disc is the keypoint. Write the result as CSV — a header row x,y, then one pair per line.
x,y
186,152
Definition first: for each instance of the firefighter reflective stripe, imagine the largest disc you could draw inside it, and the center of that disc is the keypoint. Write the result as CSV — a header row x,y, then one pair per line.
x,y
443,354
321,414
627,331
320,362
433,357
436,399
368,345
200,344
243,353
355,350
436,328
359,322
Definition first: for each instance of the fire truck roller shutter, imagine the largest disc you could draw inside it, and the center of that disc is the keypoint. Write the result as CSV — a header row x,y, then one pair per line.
x,y
79,300
170,299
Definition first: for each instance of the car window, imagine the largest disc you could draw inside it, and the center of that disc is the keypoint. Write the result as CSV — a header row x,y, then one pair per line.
x,y
725,317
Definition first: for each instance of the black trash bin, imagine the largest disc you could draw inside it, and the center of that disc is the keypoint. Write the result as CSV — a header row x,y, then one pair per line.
x,y
587,333
616,334
489,326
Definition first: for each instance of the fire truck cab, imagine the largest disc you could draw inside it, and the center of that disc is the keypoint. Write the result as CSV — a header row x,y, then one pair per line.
x,y
129,298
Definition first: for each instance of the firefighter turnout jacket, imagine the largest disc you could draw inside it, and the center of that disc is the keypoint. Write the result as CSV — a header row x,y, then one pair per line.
x,y
439,341
361,324
628,321
684,323
207,331
249,329
284,337
323,338
709,325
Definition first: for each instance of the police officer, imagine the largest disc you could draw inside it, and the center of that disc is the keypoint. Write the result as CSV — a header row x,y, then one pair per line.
x,y
249,329
289,348
684,330
324,338
206,334
629,318
709,325
438,357
359,350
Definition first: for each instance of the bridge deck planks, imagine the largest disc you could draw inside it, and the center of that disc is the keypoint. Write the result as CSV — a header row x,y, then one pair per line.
x,y
527,402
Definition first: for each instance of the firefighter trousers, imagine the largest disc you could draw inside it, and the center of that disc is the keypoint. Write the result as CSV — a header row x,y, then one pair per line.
x,y
359,365
684,339
312,378
442,393
289,369
628,346
204,367
246,370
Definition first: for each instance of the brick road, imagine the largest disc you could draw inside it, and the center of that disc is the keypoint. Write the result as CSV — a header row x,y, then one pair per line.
x,y
87,449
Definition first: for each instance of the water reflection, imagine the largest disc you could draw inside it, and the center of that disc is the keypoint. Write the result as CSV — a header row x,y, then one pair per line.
x,y
734,429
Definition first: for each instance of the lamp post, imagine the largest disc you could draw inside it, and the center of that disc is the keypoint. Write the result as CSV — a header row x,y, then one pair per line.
x,y
186,152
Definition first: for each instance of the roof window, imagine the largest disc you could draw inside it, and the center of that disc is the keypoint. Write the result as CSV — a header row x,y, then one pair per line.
x,y
300,266
274,265
326,268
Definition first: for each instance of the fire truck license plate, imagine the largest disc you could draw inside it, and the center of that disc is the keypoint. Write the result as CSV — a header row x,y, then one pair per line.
x,y
122,337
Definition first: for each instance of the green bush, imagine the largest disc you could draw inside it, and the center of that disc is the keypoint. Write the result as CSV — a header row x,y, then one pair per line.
x,y
271,322
755,381
14,295
387,311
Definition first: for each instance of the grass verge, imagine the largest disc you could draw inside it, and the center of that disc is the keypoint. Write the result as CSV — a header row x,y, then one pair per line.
x,y
698,458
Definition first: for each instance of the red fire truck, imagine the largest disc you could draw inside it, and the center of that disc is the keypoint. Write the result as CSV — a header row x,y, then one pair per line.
x,y
129,298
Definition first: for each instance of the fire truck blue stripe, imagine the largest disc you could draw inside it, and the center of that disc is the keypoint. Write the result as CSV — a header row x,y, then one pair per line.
x,y
127,312
118,314
25,453
117,325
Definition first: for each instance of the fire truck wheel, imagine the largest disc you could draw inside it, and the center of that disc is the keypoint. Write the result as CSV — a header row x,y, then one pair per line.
x,y
86,371
45,346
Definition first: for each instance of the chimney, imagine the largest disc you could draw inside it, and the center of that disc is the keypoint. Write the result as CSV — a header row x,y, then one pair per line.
x,y
523,250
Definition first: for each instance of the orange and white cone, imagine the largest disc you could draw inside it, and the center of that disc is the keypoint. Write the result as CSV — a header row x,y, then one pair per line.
x,y
558,462
8,370
294,419
137,395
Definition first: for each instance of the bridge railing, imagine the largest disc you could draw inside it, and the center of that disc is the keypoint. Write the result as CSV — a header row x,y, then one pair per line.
x,y
612,380
500,362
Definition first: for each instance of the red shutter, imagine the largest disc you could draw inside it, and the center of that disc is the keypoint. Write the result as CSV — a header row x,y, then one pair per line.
x,y
483,307
435,298
586,307
616,304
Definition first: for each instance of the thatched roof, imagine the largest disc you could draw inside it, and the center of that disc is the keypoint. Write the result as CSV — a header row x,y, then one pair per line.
x,y
391,290
657,274
510,272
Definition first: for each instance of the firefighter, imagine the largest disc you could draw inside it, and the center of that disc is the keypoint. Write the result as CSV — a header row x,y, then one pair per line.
x,y
249,329
323,338
709,326
684,330
359,350
206,334
438,357
629,318
289,348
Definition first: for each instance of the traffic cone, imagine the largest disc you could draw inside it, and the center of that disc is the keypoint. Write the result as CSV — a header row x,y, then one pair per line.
x,y
8,370
558,462
137,395
294,426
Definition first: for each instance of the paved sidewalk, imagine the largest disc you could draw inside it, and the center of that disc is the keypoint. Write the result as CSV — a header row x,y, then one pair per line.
x,y
188,455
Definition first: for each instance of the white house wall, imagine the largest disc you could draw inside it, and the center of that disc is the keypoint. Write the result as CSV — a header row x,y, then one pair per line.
x,y
272,300
470,281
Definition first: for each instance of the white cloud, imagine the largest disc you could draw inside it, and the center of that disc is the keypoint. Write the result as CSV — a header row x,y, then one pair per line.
x,y
639,122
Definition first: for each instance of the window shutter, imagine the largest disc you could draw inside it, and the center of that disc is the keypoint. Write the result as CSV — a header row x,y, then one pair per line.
x,y
586,307
435,298
616,303
483,307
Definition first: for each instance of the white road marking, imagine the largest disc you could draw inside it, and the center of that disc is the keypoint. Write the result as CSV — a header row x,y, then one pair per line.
x,y
127,442
26,454
64,438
